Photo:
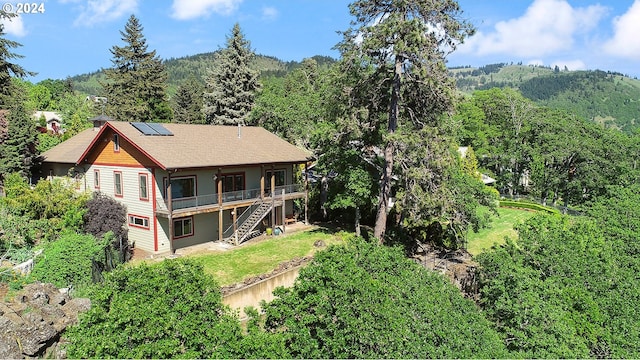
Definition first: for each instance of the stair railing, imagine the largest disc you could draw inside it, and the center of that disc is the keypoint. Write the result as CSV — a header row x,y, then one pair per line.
x,y
228,232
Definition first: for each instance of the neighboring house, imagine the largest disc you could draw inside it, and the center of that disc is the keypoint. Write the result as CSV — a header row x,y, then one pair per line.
x,y
185,184
53,120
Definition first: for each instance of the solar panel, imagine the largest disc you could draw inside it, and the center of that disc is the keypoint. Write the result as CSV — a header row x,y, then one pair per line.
x,y
161,130
144,128
151,129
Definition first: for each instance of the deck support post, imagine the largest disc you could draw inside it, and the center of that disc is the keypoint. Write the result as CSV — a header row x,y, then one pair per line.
x,y
170,210
219,190
235,224
284,220
273,196
306,193
262,182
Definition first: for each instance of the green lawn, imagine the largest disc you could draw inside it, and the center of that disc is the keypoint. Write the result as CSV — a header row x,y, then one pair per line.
x,y
260,257
499,228
251,259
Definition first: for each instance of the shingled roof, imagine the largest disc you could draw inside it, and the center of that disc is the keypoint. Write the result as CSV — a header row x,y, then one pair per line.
x,y
191,146
68,152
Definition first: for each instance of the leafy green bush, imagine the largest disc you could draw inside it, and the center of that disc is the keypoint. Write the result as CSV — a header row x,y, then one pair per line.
x,y
166,310
47,200
68,260
565,291
30,216
368,301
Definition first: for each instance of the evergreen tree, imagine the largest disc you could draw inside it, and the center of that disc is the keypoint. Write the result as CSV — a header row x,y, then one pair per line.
x,y
18,152
401,46
8,69
18,136
231,84
136,84
187,103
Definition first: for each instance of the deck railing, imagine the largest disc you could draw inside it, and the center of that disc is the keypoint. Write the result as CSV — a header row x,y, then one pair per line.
x,y
288,189
212,199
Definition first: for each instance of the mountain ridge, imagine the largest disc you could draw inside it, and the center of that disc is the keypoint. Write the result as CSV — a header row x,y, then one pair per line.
x,y
611,99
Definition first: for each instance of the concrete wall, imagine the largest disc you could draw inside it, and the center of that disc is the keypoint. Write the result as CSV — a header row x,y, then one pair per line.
x,y
253,294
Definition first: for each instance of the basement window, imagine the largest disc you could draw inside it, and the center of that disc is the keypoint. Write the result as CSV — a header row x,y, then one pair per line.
x,y
183,227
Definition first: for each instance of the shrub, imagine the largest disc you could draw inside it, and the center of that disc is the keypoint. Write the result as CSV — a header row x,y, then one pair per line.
x,y
166,310
105,214
528,205
368,301
68,260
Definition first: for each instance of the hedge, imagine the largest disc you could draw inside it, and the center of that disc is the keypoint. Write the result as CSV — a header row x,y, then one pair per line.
x,y
528,205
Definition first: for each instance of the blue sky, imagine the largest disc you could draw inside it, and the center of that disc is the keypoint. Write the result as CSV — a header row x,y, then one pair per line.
x,y
72,37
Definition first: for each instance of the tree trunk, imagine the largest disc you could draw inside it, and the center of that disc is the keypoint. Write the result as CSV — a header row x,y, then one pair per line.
x,y
324,188
385,186
357,221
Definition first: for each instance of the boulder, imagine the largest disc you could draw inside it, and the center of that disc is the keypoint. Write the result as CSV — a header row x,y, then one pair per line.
x,y
31,324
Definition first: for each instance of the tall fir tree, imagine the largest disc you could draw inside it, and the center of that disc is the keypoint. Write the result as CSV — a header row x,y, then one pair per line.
x,y
18,137
187,103
400,47
7,68
136,85
18,152
232,84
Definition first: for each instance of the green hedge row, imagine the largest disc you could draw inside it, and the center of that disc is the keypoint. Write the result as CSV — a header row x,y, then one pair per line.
x,y
528,205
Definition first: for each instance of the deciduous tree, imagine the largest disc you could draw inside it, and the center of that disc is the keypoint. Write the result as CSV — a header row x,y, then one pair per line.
x,y
167,310
362,300
294,106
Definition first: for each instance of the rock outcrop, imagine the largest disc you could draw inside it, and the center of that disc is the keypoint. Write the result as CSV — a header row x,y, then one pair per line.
x,y
32,322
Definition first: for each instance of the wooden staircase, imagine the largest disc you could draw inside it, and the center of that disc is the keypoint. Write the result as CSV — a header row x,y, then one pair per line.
x,y
247,222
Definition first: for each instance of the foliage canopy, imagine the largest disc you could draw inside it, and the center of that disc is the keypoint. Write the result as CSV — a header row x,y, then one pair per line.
x,y
368,301
136,84
167,310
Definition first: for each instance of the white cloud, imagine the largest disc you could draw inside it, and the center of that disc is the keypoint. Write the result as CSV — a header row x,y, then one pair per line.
x,y
269,13
624,42
100,11
191,9
14,26
548,26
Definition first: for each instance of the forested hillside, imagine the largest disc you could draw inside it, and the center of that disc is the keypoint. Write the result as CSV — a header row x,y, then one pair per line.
x,y
608,98
196,66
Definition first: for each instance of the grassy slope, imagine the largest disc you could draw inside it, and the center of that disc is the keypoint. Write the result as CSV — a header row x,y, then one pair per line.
x,y
233,266
499,228
262,257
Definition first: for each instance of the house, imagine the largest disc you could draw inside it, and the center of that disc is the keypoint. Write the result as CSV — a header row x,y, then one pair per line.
x,y
185,184
52,119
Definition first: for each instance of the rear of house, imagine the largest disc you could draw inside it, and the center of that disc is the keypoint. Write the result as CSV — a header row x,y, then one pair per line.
x,y
187,184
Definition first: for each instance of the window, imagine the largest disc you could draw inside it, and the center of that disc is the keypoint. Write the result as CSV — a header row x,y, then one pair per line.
x,y
183,227
139,221
142,180
279,175
183,187
116,142
232,182
117,183
96,179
